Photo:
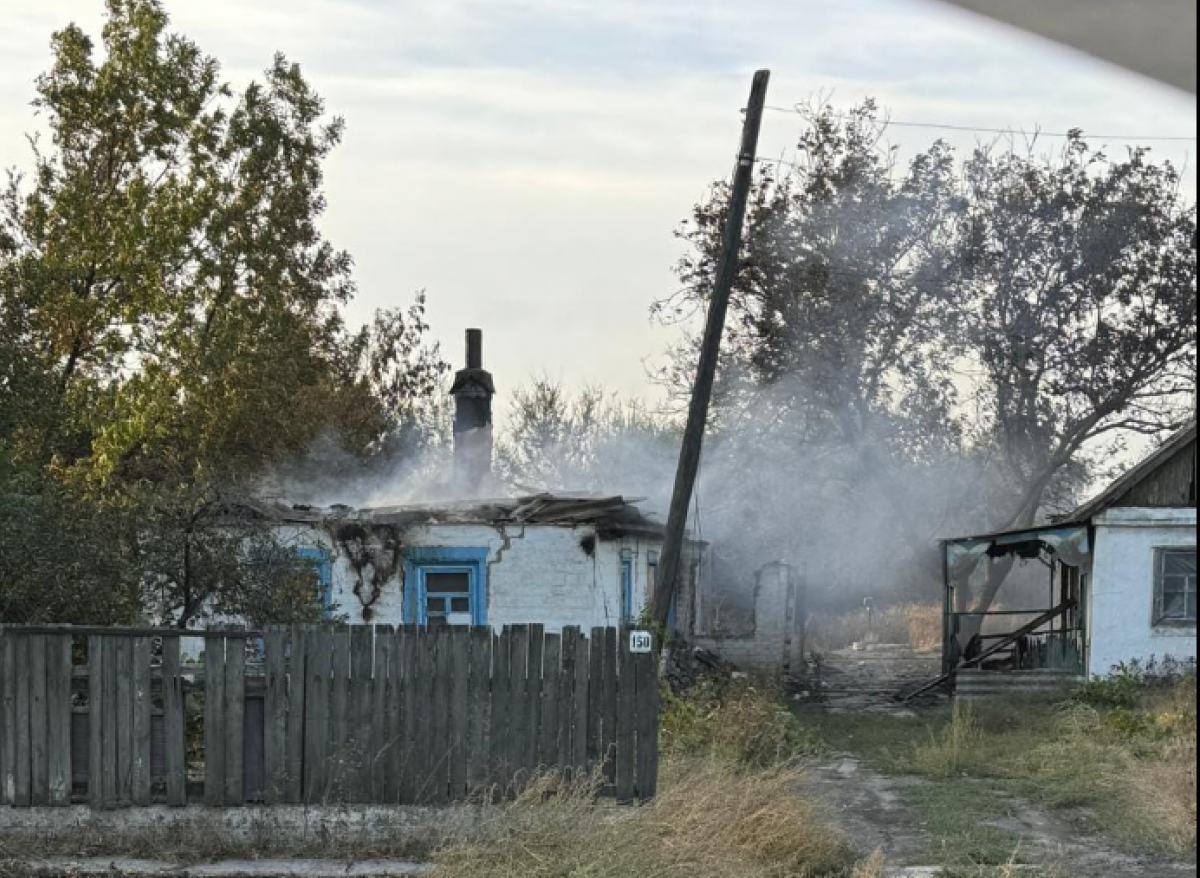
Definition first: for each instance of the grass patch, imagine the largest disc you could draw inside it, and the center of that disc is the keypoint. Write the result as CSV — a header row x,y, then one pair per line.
x,y
712,820
730,806
1123,754
957,817
740,722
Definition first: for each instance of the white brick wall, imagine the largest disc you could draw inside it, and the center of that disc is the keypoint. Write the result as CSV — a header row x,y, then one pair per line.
x,y
1123,587
536,575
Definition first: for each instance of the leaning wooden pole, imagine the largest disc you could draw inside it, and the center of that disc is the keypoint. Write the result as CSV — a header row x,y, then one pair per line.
x,y
671,563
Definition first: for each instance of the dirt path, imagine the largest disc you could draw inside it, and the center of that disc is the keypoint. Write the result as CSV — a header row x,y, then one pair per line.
x,y
875,812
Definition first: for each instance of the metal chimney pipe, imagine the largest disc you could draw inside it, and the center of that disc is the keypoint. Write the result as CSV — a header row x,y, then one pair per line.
x,y
474,389
475,349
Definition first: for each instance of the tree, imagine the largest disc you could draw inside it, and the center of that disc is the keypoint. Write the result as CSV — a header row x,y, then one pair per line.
x,y
945,339
589,441
837,396
170,313
1079,306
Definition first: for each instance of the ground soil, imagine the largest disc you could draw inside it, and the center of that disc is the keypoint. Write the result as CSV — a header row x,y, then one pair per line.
x,y
872,810
875,811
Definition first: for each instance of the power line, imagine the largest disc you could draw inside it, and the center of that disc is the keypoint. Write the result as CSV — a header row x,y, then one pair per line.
x,y
969,129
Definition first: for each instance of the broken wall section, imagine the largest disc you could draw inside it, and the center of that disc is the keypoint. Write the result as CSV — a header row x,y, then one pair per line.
x,y
771,642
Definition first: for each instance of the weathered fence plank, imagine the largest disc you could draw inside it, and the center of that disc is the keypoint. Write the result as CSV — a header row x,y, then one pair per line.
x,y
276,723
35,670
579,731
410,722
380,721
520,730
610,705
175,722
626,725
479,701
500,771
215,721
23,715
440,750
548,720
139,722
460,695
8,718
316,716
595,732
296,720
648,710
235,723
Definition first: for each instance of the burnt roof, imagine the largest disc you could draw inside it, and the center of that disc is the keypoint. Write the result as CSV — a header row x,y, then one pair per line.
x,y
611,515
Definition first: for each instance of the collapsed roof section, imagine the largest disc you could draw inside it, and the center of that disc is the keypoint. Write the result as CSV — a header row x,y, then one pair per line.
x,y
611,516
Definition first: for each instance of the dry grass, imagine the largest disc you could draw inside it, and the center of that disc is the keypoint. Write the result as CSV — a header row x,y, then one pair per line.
x,y
712,820
1165,787
875,867
954,749
1166,793
915,625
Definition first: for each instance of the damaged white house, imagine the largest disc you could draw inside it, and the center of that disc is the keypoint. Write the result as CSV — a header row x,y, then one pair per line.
x,y
556,560
1121,584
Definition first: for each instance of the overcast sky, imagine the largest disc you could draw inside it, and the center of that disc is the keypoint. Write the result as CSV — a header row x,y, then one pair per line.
x,y
527,161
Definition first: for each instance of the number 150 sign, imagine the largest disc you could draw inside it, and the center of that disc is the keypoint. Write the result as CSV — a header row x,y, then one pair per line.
x,y
641,643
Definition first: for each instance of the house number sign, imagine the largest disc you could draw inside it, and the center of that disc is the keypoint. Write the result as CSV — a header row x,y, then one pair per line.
x,y
641,643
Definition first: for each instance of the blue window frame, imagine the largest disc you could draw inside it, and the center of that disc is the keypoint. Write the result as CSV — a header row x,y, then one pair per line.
x,y
445,586
627,587
322,561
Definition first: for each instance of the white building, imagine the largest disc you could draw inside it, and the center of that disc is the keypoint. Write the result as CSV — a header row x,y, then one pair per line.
x,y
551,560
558,560
1122,571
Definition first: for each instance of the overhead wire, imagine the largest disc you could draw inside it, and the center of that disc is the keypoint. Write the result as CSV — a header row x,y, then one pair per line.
x,y
972,129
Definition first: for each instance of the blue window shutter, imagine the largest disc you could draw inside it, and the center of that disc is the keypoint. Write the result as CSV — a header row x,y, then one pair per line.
x,y
323,563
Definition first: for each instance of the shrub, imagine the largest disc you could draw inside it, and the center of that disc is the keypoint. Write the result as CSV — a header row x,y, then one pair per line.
x,y
741,723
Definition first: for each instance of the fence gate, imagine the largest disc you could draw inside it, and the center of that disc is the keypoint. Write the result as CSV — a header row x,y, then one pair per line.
x,y
319,714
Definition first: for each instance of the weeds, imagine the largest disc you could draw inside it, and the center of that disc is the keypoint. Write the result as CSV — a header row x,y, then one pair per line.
x,y
743,724
954,749
712,820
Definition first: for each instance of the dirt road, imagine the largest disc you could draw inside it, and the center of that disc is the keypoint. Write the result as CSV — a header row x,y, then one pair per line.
x,y
878,812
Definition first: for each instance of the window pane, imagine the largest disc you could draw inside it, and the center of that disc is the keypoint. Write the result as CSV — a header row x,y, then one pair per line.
x,y
1180,564
435,607
460,605
448,583
1174,605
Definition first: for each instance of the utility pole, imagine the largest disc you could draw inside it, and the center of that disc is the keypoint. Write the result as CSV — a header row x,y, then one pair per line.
x,y
671,563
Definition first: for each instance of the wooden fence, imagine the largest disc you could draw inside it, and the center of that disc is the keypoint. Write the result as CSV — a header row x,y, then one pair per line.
x,y
320,715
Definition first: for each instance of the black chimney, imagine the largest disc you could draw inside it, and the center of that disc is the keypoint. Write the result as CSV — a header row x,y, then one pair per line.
x,y
473,392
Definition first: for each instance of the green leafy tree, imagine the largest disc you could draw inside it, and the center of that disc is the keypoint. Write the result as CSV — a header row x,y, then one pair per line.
x,y
170,312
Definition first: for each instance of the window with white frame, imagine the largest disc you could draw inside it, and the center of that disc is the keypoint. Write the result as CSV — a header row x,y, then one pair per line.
x,y
1175,588
445,586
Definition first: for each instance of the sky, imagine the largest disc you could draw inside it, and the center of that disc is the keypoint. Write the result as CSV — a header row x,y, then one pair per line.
x,y
527,162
